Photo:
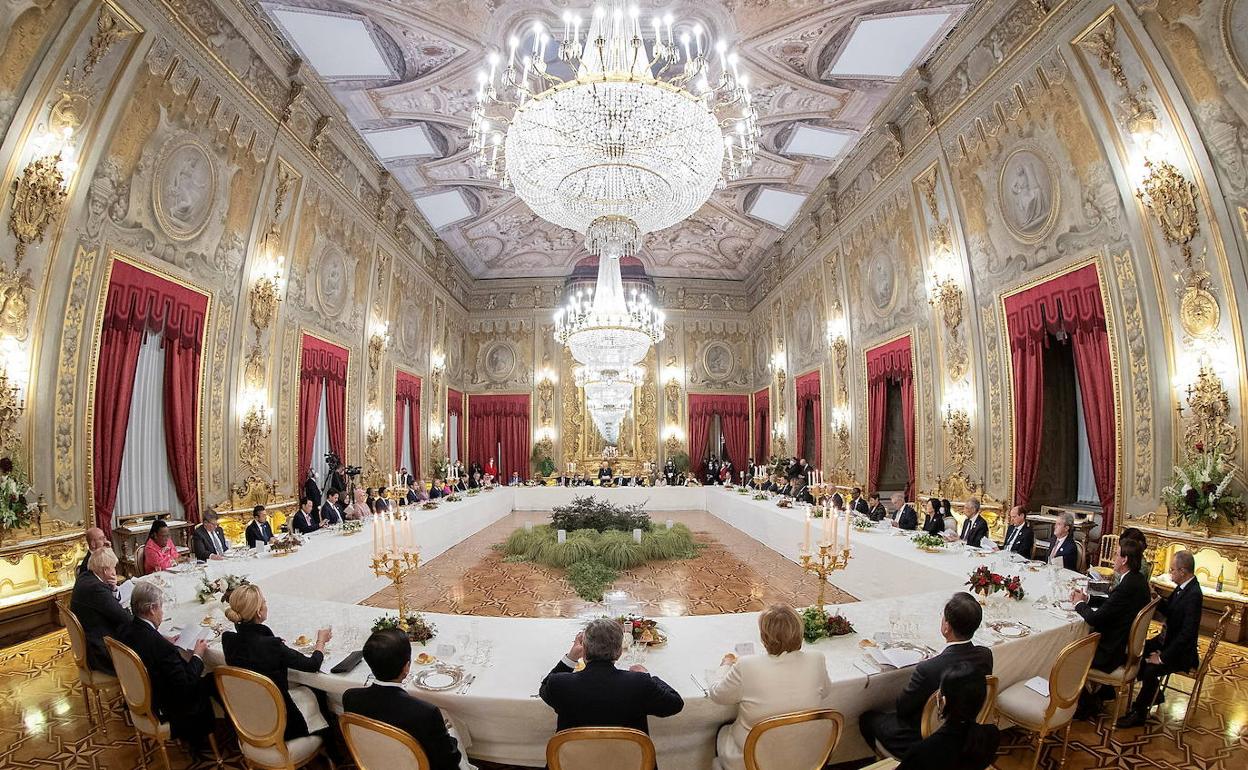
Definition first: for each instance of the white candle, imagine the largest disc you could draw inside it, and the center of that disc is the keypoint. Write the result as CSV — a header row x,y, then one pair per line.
x,y
827,530
374,522
562,535
835,527
806,541
636,535
847,529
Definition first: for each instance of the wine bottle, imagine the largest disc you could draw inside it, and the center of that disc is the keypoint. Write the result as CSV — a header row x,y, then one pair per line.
x,y
1220,571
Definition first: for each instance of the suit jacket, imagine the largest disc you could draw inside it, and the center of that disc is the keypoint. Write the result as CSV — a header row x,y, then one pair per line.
x,y
1182,610
974,531
397,708
934,525
908,517
254,647
1113,620
604,473
860,506
312,492
177,695
303,523
602,695
202,542
82,565
945,749
1069,553
1024,540
926,678
329,515
100,612
877,513
258,533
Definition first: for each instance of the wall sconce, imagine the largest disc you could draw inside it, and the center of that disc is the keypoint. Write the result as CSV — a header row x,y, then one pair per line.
x,y
40,190
373,423
437,363
673,437
945,293
257,426
840,424
377,343
545,433
957,423
267,290
777,363
14,377
546,375
672,374
836,333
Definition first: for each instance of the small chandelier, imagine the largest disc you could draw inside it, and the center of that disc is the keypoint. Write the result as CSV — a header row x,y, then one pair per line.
x,y
619,134
605,329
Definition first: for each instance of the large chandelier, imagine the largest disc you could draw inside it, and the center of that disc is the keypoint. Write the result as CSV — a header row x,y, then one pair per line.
x,y
605,328
619,134
608,395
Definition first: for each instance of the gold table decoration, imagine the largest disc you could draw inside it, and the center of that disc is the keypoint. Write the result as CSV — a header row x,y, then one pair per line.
x,y
828,558
397,566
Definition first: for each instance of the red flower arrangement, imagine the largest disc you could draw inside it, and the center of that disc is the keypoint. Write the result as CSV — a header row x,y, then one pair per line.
x,y
985,582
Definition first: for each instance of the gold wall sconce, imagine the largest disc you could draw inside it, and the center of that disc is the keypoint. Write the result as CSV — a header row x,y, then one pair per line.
x,y
14,377
40,190
1208,409
945,294
267,290
377,343
256,428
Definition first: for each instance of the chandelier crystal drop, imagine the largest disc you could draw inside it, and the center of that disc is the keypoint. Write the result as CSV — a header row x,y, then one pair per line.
x,y
623,132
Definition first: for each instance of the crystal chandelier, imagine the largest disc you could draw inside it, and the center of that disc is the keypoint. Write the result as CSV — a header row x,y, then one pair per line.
x,y
605,328
619,134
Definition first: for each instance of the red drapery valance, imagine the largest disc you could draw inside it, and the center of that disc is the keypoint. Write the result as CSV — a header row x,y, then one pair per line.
x,y
323,360
498,427
762,426
139,302
889,362
322,364
808,391
734,422
407,390
1071,303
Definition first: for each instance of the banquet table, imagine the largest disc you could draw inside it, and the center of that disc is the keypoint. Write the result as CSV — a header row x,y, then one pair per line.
x,y
500,718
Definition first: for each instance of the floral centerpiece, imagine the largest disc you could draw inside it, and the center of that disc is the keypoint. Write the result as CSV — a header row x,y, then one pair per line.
x,y
418,628
1198,494
474,491
429,505
351,526
15,510
283,545
928,542
453,498
760,495
643,630
743,490
985,582
862,524
211,590
817,624
785,502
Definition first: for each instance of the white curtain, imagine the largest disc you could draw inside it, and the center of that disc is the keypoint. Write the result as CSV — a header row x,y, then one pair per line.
x,y
320,442
146,484
1087,481
452,441
407,442
715,442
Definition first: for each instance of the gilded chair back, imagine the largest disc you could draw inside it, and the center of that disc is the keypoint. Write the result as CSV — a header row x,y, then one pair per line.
x,y
255,707
1067,677
1139,635
1214,641
378,746
1109,549
600,748
932,720
801,740
136,686
77,641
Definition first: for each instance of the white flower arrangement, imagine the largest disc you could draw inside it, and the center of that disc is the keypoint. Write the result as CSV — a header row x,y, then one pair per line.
x,y
1199,492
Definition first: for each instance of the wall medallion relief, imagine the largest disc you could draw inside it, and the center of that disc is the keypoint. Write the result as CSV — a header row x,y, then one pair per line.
x,y
332,275
498,361
184,187
718,361
1234,26
881,283
1027,193
409,328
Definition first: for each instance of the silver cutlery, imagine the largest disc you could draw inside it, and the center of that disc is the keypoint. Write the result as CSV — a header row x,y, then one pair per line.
x,y
701,686
463,688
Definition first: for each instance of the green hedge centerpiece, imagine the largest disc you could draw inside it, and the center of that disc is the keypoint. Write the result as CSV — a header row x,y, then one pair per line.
x,y
817,624
598,544
1198,496
418,628
928,542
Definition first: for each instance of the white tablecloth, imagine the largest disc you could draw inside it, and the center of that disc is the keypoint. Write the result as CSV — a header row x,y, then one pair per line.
x,y
499,717
654,498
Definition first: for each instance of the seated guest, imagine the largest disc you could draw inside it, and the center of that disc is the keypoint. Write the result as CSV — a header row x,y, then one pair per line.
x,y
417,492
786,679
96,539
159,552
449,489
1174,649
1018,537
303,521
974,527
435,489
960,743
802,493
254,647
460,485
181,694
899,731
359,509
602,695
1063,549
1134,533
208,539
838,501
388,654
97,605
856,503
515,479
875,509
329,515
934,520
382,503
1113,618
906,516
259,531
604,472
370,499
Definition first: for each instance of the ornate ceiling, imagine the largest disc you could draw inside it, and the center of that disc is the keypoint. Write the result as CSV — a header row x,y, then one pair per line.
x,y
412,65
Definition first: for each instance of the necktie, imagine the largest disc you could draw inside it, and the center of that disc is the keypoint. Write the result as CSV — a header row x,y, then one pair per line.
x,y
216,541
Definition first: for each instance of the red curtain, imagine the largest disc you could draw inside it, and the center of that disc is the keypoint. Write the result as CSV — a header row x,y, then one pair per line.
x,y
407,390
140,301
498,427
762,426
322,363
808,392
734,421
699,430
1070,303
890,362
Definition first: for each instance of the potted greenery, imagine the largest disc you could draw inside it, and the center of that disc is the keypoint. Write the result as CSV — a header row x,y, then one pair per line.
x,y
541,459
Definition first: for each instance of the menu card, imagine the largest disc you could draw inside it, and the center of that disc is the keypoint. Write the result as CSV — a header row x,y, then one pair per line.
x,y
896,657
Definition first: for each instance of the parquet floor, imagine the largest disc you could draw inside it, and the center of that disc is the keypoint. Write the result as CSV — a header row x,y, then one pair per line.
x,y
43,724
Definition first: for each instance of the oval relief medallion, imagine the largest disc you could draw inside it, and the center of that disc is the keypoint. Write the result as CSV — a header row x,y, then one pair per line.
x,y
184,186
718,361
499,360
1235,35
881,282
1027,194
331,280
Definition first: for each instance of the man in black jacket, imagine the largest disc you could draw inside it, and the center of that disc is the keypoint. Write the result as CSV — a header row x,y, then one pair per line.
x,y
602,695
857,504
97,605
312,490
208,539
389,656
303,521
96,539
975,527
330,515
907,516
259,530
181,694
1019,537
1174,649
1113,618
875,509
899,731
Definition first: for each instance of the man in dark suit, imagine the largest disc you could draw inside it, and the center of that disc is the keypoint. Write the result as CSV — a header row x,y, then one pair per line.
x,y
1019,537
975,527
329,515
1174,649
907,517
208,539
670,473
1113,618
602,695
96,539
389,656
899,731
259,530
875,509
856,503
312,490
304,521
181,695
97,605
1063,549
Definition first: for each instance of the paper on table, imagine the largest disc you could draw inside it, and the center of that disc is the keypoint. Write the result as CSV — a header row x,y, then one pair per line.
x,y
897,657
745,648
124,590
191,635
1039,684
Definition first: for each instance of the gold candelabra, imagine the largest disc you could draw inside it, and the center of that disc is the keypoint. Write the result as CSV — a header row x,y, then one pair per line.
x,y
829,558
397,565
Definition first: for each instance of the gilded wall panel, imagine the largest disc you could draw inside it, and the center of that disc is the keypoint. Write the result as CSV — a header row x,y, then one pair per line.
x,y
501,354
1140,378
717,355
72,366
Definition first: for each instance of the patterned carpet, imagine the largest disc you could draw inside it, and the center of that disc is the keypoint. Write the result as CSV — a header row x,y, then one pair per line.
x,y
43,724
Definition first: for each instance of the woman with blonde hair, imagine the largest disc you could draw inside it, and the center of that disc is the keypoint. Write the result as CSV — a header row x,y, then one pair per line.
x,y
254,647
786,679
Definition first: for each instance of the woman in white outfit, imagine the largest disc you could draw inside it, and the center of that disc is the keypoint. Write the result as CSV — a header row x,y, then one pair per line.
x,y
786,679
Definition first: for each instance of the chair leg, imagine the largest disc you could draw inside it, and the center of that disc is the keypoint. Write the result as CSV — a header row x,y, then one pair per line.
x,y
86,700
216,753
1113,721
142,750
164,755
1035,761
1065,745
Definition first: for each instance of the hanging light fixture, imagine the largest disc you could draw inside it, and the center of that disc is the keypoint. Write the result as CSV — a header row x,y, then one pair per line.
x,y
606,329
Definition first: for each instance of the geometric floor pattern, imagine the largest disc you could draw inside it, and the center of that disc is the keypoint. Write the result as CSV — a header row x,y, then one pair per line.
x,y
43,725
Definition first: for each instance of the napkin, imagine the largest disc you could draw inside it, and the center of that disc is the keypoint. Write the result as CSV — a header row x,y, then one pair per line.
x,y
1039,684
124,590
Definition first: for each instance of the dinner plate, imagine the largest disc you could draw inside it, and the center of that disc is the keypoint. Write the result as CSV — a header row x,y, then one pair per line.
x,y
1008,629
439,678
